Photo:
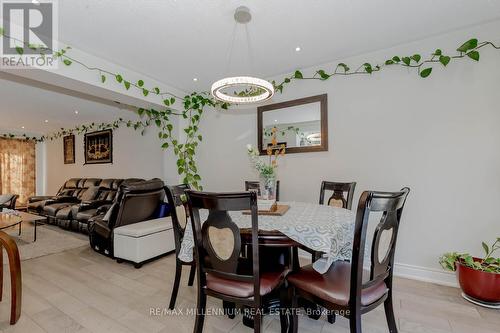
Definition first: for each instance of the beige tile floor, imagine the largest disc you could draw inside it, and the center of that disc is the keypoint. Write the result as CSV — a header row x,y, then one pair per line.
x,y
81,291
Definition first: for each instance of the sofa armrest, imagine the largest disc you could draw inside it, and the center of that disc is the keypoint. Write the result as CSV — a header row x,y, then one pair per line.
x,y
37,198
103,209
62,199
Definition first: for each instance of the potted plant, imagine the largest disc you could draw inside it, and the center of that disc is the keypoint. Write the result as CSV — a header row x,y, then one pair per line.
x,y
479,278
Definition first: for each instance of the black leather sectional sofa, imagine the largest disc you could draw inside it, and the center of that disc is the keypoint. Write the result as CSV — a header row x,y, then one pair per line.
x,y
78,200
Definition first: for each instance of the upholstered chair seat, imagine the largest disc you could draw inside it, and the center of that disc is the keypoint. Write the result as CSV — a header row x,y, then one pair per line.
x,y
334,286
269,281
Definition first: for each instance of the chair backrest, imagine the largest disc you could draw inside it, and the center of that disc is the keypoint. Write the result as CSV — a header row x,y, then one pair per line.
x,y
8,201
390,205
342,195
251,185
136,202
218,239
178,212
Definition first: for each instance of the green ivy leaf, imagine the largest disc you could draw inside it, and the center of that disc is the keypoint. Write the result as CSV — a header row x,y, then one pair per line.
x,y
103,78
67,62
438,52
158,122
140,83
389,62
165,145
200,137
119,78
145,92
166,102
19,50
468,45
323,75
298,75
157,90
344,66
474,55
368,68
426,72
287,80
406,60
126,84
396,59
172,100
444,60
140,111
416,57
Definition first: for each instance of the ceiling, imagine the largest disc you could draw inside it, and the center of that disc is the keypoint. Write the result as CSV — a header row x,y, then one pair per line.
x,y
18,111
175,41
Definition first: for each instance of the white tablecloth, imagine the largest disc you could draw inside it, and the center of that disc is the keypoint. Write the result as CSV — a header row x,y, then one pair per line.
x,y
318,227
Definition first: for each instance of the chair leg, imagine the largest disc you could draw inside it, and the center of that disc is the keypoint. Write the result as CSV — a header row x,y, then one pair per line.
x,y
295,317
191,274
15,276
257,320
175,288
200,314
355,322
389,314
229,309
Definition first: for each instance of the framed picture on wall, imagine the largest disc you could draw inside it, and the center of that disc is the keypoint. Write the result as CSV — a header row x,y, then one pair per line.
x,y
98,147
69,149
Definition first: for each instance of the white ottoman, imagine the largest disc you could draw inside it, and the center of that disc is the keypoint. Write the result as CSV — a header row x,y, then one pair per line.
x,y
142,241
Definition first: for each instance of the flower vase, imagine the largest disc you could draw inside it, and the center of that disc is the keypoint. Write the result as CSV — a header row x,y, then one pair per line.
x,y
267,188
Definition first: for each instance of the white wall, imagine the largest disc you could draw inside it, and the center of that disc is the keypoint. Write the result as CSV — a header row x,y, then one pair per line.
x,y
440,136
133,156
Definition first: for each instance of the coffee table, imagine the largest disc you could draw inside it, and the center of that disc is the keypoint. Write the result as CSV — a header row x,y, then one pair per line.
x,y
11,220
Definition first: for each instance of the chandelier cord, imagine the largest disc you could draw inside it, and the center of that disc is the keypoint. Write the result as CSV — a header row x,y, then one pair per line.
x,y
249,50
230,49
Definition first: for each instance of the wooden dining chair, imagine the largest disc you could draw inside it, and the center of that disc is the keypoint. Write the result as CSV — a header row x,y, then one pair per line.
x,y
251,185
342,195
179,221
346,287
16,287
222,272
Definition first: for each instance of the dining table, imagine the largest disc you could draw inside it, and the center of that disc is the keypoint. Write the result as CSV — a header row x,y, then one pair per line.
x,y
322,228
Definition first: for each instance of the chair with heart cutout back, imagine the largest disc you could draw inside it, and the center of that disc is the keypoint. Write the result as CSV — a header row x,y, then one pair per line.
x,y
221,270
346,287
179,220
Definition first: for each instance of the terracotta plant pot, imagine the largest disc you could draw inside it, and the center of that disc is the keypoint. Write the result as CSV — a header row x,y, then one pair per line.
x,y
480,285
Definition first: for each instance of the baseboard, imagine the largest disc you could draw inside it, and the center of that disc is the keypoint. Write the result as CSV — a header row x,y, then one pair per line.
x,y
426,274
418,273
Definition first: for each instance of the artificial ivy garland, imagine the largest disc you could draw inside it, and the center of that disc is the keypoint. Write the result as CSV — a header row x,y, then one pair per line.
x,y
194,104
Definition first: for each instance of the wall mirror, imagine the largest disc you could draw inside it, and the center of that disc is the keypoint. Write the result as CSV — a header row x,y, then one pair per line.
x,y
301,125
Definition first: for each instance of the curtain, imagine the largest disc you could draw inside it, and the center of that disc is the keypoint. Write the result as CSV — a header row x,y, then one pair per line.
x,y
17,168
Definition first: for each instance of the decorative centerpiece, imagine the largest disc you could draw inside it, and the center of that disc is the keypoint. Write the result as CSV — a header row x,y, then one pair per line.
x,y
267,172
479,278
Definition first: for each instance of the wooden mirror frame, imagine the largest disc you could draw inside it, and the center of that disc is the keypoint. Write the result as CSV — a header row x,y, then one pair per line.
x,y
323,99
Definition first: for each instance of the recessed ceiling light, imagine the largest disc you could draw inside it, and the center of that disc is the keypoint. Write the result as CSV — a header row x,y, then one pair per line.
x,y
76,111
46,121
22,127
195,79
297,49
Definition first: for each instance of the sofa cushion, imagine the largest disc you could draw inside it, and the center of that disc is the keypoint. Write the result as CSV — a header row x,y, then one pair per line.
x,y
64,213
89,182
72,183
85,215
90,193
145,228
52,209
4,198
107,183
